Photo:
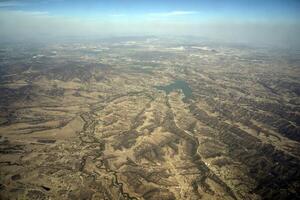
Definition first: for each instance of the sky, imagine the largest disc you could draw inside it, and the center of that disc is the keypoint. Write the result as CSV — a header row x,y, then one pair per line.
x,y
274,22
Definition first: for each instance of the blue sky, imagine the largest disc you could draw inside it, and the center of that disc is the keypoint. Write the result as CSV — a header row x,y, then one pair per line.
x,y
270,21
190,9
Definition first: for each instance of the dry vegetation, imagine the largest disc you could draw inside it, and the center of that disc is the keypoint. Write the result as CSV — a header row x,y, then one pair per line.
x,y
76,123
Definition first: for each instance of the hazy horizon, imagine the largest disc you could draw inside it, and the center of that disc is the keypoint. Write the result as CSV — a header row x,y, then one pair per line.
x,y
254,22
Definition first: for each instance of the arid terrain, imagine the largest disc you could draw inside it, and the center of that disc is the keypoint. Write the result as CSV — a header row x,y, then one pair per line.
x,y
149,118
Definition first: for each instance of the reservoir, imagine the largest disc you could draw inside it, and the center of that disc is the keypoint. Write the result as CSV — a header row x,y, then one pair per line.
x,y
177,85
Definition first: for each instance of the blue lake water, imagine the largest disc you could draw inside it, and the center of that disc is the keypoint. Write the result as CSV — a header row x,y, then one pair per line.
x,y
177,85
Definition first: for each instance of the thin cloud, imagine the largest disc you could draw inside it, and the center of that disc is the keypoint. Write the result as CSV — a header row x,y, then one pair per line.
x,y
117,15
27,13
38,13
173,13
4,4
